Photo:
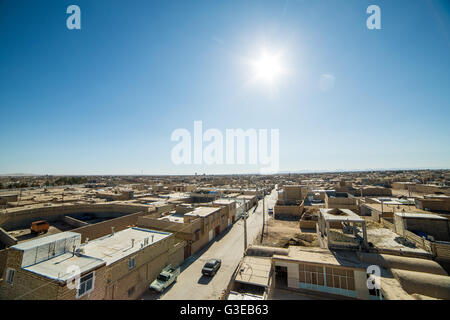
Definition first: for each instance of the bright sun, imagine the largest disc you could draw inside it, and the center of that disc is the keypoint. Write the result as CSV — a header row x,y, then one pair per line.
x,y
267,68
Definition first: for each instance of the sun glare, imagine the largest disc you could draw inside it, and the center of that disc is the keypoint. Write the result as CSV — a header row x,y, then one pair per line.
x,y
267,68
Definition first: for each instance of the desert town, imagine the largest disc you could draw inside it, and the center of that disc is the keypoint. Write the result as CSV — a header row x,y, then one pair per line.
x,y
234,237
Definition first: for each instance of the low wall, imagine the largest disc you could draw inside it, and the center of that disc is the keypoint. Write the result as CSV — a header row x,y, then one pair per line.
x,y
288,211
3,257
101,229
387,224
308,224
183,231
441,250
15,219
403,263
6,239
74,222
434,204
265,251
431,285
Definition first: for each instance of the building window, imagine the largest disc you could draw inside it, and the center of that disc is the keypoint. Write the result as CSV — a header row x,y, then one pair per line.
x,y
10,273
197,235
328,279
86,285
131,263
340,279
311,274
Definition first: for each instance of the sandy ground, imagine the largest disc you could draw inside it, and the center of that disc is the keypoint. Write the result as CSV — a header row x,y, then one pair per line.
x,y
282,233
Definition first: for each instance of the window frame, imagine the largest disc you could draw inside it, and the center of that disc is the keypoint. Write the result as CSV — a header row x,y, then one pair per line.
x,y
86,291
8,272
130,267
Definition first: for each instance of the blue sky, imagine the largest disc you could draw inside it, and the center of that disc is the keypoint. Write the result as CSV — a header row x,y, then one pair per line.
x,y
105,99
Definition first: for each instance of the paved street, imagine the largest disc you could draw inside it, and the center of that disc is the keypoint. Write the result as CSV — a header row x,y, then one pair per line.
x,y
229,247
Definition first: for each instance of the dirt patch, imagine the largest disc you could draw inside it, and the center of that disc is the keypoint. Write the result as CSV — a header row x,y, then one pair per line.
x,y
372,224
282,234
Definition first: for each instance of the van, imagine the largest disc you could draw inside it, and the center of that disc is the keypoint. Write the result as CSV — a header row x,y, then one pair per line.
x,y
39,226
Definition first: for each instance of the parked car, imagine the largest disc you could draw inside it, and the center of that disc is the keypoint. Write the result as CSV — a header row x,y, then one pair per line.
x,y
167,276
39,226
270,210
211,266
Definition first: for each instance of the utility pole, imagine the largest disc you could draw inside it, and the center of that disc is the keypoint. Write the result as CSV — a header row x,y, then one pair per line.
x,y
263,215
245,227
20,196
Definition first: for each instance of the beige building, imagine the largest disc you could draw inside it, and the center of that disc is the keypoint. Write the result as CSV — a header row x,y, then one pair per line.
x,y
196,225
341,229
338,274
425,224
341,200
117,266
343,274
436,203
290,201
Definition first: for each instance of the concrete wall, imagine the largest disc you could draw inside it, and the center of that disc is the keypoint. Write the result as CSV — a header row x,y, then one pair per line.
x,y
3,257
183,231
308,224
148,264
292,273
15,219
101,229
341,202
433,204
403,263
439,229
4,199
361,285
293,193
375,191
74,222
280,211
430,285
6,239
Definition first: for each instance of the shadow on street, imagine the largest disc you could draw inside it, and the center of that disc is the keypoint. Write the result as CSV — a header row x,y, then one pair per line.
x,y
204,280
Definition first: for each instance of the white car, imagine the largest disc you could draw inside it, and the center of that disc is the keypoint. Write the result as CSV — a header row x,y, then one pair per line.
x,y
167,276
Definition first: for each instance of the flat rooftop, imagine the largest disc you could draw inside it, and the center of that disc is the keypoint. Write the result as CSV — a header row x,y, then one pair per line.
x,y
340,215
383,238
174,217
387,207
45,240
255,271
202,211
224,201
243,296
342,258
415,215
112,248
247,196
56,268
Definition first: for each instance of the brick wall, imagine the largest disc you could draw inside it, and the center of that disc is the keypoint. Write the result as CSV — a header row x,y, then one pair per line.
x,y
101,229
25,216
